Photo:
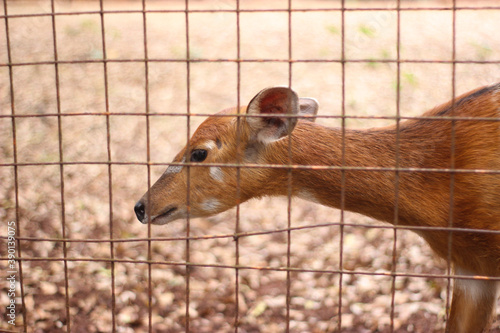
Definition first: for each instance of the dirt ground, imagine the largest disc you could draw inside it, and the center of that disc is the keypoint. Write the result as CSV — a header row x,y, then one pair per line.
x,y
89,284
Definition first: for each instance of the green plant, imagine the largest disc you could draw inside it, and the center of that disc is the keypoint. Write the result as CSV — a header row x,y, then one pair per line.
x,y
367,30
334,30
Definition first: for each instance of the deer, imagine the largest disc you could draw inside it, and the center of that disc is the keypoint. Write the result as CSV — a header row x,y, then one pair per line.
x,y
438,173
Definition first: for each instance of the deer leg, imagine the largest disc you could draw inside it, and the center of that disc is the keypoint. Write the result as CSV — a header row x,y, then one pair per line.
x,y
473,305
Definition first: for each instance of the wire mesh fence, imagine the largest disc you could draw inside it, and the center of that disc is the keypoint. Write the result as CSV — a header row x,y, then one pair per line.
x,y
96,99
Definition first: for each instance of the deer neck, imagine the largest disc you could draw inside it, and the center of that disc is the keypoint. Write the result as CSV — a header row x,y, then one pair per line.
x,y
367,192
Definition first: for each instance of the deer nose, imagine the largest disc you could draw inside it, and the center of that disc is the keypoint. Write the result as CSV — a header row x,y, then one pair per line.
x,y
140,211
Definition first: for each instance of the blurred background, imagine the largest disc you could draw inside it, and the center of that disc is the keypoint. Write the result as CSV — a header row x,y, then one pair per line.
x,y
75,108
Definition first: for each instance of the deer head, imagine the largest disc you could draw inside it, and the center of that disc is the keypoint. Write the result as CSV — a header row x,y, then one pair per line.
x,y
204,178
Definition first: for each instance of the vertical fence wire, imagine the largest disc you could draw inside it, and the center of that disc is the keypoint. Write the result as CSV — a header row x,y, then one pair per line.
x,y
15,167
237,227
148,157
238,173
61,166
449,268
342,162
188,168
397,164
110,159
289,179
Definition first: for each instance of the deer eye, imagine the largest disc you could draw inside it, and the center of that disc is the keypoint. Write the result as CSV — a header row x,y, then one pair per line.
x,y
198,155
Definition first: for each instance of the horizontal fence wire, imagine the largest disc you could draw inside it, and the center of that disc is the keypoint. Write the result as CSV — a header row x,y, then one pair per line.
x,y
270,10
261,268
112,234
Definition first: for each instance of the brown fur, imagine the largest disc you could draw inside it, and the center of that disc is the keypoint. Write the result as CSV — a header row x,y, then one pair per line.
x,y
423,195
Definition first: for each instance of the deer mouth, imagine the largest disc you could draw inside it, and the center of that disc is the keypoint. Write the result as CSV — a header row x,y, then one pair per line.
x,y
164,216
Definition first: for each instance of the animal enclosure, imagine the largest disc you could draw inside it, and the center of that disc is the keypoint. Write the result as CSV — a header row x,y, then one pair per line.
x,y
97,97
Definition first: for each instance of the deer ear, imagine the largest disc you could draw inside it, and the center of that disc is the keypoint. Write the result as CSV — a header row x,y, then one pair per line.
x,y
274,106
308,108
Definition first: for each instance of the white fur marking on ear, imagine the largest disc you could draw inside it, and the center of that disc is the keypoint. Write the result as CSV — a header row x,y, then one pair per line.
x,y
308,108
216,173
